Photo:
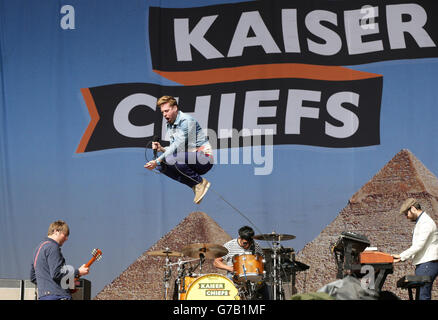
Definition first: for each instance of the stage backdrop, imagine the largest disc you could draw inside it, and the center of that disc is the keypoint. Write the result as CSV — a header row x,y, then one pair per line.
x,y
304,101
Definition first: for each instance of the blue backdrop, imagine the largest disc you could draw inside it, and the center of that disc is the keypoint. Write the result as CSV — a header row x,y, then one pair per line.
x,y
109,200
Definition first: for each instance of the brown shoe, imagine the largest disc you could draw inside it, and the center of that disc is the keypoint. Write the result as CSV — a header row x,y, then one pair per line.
x,y
200,190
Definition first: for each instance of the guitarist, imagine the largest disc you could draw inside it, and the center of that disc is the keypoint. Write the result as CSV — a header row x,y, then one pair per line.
x,y
48,270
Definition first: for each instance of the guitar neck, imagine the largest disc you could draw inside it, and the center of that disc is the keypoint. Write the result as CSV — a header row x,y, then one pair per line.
x,y
90,262
97,254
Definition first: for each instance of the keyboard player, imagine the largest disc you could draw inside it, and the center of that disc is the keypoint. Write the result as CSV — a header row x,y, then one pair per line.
x,y
424,248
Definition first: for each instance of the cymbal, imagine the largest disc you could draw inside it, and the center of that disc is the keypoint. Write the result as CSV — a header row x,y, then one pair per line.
x,y
274,237
210,250
163,253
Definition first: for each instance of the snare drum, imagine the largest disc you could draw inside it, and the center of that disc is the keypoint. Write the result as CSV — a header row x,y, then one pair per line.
x,y
248,267
212,287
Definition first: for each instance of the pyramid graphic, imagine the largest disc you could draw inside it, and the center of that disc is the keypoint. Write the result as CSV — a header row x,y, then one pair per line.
x,y
143,279
373,211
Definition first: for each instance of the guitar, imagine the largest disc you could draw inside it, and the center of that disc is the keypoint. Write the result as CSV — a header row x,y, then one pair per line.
x,y
96,256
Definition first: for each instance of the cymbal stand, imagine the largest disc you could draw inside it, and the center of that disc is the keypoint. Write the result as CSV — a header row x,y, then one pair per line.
x,y
276,272
180,277
274,269
293,275
167,276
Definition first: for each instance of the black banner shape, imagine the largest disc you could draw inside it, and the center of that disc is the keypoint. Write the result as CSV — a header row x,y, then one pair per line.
x,y
280,95
321,33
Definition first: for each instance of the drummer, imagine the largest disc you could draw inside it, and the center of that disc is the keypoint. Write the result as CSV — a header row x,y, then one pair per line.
x,y
244,244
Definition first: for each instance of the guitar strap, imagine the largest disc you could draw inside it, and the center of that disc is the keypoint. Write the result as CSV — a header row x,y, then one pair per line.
x,y
36,257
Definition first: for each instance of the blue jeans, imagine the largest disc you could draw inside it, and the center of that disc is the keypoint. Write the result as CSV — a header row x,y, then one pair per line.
x,y
186,167
427,269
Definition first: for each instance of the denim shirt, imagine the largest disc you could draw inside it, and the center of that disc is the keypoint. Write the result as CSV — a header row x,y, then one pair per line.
x,y
186,135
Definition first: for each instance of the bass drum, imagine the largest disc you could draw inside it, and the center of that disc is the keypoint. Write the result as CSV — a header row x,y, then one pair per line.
x,y
185,283
212,287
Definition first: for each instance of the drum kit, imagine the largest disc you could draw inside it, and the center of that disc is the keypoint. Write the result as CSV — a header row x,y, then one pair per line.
x,y
252,276
281,266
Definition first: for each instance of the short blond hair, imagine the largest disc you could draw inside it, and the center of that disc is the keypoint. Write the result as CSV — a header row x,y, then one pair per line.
x,y
167,99
60,226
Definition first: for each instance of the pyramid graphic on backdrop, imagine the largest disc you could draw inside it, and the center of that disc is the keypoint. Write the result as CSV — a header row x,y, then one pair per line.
x,y
142,280
374,212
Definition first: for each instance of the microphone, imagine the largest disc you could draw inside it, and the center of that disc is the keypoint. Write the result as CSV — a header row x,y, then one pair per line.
x,y
155,139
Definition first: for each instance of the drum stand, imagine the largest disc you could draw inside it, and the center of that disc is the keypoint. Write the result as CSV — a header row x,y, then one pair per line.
x,y
247,290
251,290
277,253
183,272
